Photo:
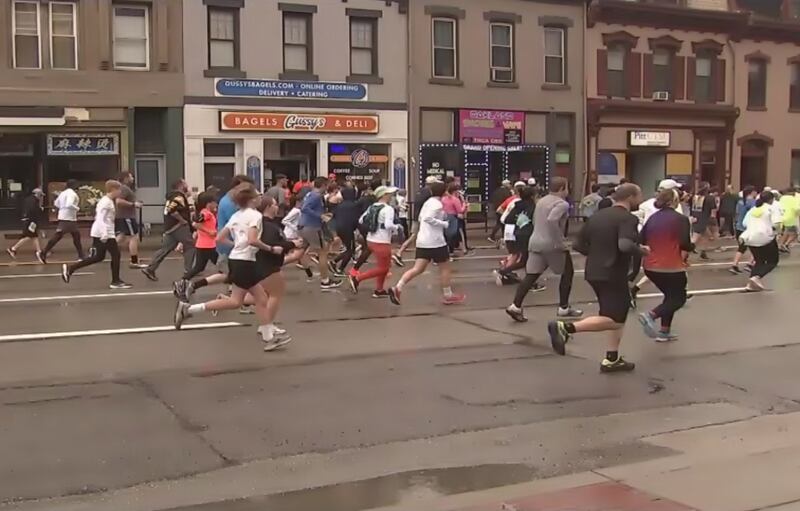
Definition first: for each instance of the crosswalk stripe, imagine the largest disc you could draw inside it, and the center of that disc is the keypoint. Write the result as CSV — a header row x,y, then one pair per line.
x,y
113,331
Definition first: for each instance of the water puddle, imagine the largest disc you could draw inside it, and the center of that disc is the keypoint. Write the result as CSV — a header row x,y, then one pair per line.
x,y
383,491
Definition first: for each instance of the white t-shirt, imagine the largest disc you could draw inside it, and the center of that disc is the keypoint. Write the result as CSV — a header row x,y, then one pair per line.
x,y
239,226
68,204
402,207
103,225
432,223
386,226
290,224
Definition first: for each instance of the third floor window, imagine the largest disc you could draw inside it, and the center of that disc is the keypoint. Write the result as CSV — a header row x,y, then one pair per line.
x,y
757,84
63,36
27,30
33,22
662,70
223,38
364,46
502,52
703,79
131,37
617,54
554,55
445,56
297,42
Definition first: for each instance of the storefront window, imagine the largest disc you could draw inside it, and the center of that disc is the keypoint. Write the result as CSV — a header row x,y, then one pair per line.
x,y
359,162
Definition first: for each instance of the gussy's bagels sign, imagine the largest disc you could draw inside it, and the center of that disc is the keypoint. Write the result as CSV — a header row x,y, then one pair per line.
x,y
298,122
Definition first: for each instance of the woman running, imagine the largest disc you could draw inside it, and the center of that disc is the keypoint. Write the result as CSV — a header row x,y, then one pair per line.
x,y
521,217
378,222
747,200
205,224
759,235
668,234
33,217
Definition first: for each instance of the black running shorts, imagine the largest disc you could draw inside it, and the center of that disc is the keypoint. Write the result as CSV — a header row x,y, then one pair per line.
x,y
437,255
126,227
614,298
243,274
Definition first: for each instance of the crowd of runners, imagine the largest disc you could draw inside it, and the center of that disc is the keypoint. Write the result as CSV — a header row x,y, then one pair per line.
x,y
241,241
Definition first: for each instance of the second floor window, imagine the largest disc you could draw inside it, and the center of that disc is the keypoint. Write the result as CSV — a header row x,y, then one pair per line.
x,y
502,52
297,42
131,37
616,70
662,70
63,39
703,84
445,56
27,49
363,46
222,38
554,55
794,89
757,84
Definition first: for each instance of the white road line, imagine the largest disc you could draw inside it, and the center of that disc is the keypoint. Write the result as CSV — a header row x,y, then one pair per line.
x,y
81,297
113,331
699,292
39,275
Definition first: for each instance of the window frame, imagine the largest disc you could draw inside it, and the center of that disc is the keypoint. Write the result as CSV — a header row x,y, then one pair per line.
x,y
709,96
141,7
454,23
670,70
74,6
14,32
511,50
563,55
236,38
762,76
373,22
307,17
625,52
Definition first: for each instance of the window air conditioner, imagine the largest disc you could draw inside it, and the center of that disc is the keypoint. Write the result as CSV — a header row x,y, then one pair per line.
x,y
502,75
661,95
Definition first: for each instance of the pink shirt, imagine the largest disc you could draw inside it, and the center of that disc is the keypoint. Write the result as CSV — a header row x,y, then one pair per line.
x,y
209,222
452,205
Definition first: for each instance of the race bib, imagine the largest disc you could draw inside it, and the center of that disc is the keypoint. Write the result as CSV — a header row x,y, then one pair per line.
x,y
508,232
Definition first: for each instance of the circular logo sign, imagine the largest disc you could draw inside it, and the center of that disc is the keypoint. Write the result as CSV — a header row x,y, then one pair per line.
x,y
360,158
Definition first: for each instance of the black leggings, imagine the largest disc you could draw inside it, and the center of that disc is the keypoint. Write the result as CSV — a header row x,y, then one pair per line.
x,y
498,226
202,256
76,241
564,285
97,254
365,252
348,238
673,285
765,259
462,227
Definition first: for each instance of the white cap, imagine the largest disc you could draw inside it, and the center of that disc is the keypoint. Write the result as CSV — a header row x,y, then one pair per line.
x,y
384,190
432,179
766,189
506,182
531,181
519,184
668,184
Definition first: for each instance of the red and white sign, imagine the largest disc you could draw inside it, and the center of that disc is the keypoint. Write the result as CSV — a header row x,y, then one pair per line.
x,y
298,122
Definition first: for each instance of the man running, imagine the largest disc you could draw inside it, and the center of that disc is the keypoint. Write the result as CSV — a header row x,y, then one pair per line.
x,y
127,223
548,249
312,216
747,200
68,204
703,204
177,230
608,240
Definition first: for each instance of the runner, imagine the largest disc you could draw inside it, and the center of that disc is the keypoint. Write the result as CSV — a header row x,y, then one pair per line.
x,y
498,197
746,202
608,240
703,205
346,222
548,248
790,205
33,217
423,195
278,193
761,224
668,235
312,217
378,222
126,223
68,204
205,225
103,240
431,246
521,217
177,231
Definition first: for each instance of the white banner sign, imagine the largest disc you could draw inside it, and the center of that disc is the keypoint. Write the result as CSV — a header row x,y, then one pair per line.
x,y
649,138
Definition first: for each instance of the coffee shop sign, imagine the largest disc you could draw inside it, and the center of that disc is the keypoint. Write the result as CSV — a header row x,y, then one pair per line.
x,y
290,89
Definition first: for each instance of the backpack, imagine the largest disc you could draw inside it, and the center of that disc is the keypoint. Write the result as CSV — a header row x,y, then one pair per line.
x,y
369,220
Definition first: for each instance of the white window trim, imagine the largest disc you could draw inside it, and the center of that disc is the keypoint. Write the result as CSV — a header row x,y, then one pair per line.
x,y
74,34
146,10
563,56
14,31
510,46
454,23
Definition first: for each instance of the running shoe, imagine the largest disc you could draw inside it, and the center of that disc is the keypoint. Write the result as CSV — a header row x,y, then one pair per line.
x,y
735,270
189,290
756,282
516,314
617,366
491,240
179,290
559,337
704,255
666,337
634,294
299,266
137,266
120,285
278,330
338,275
332,267
454,299
65,273
380,293
150,274
537,288
12,253
394,295
330,284
247,309
648,325
353,281
398,260
181,314
276,343
314,258
569,312
41,257
499,279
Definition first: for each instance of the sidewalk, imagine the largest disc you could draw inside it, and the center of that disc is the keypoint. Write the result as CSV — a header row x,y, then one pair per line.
x,y
748,465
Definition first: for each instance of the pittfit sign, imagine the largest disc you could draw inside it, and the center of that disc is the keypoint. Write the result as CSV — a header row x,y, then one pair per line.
x,y
648,138
298,122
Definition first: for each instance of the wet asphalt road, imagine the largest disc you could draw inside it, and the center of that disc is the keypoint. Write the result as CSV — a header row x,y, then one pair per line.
x,y
97,393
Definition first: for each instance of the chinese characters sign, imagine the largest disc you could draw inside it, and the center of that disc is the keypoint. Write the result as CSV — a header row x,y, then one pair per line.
x,y
82,144
298,122
290,89
491,127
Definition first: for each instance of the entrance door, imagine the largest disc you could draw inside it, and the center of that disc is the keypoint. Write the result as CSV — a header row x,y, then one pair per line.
x,y
151,187
17,177
647,169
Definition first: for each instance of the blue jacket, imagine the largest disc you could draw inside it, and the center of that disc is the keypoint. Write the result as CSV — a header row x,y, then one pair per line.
x,y
742,207
225,211
311,211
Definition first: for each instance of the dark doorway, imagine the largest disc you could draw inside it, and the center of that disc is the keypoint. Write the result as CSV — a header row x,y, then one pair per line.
x,y
754,164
